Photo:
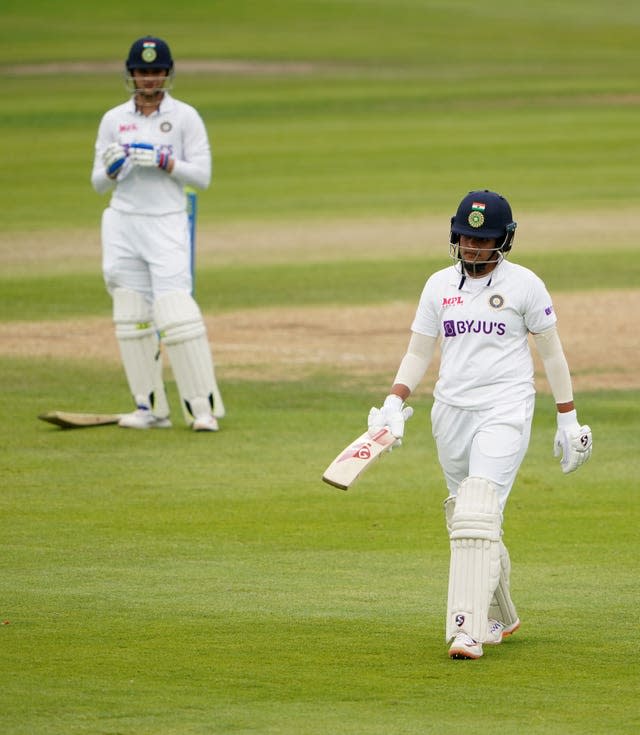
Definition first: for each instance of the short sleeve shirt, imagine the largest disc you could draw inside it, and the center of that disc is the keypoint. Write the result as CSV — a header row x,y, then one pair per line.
x,y
483,326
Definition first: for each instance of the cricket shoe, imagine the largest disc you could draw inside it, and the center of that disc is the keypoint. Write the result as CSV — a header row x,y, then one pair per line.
x,y
142,418
464,646
205,423
499,631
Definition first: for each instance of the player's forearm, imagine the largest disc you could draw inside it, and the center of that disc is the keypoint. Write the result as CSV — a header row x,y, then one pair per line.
x,y
192,173
413,365
100,181
556,368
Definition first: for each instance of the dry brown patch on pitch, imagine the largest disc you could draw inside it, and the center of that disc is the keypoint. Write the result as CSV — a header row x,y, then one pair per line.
x,y
363,342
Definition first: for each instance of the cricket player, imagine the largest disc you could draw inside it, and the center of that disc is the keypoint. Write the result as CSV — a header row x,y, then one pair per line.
x,y
147,150
481,311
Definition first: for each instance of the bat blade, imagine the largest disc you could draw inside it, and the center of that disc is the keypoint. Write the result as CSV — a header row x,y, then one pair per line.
x,y
71,420
354,459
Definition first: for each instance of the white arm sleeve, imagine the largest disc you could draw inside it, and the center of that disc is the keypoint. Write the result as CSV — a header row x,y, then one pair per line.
x,y
193,168
555,364
416,360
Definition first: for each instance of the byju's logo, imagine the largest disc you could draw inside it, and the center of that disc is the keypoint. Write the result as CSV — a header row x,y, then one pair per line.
x,y
453,328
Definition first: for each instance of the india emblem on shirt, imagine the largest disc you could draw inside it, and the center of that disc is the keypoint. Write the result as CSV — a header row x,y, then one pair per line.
x,y
496,301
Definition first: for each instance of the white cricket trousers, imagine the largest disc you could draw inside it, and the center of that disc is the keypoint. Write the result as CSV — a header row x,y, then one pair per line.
x,y
146,254
489,443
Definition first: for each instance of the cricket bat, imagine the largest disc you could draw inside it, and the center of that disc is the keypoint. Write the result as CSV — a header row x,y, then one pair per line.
x,y
70,420
347,467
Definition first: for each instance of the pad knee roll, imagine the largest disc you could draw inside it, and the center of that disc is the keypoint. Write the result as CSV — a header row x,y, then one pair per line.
x,y
475,530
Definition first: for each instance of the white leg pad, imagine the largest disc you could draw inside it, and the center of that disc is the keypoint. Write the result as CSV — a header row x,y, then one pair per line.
x,y
475,558
140,350
502,607
184,334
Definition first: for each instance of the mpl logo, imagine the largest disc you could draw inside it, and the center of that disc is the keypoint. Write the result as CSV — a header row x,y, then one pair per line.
x,y
452,301
127,127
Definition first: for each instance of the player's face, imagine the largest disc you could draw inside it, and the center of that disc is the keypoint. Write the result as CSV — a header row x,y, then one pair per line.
x,y
149,82
479,254
478,249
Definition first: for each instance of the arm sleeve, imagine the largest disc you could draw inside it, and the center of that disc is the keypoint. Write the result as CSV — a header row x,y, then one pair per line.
x,y
194,167
99,179
555,364
416,360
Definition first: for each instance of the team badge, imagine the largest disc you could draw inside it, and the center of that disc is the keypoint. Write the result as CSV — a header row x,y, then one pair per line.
x,y
149,52
166,127
476,216
496,301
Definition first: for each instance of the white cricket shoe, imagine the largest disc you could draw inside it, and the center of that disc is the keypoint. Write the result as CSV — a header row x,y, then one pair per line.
x,y
499,631
205,423
142,418
464,646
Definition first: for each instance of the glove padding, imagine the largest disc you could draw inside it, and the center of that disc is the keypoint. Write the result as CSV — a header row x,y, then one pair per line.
x,y
573,443
145,154
393,414
113,157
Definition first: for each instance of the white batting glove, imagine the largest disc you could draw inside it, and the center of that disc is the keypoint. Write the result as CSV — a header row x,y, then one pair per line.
x,y
145,154
573,443
393,414
114,157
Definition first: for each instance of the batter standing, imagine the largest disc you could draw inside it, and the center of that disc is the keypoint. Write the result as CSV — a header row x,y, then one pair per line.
x,y
481,311
147,150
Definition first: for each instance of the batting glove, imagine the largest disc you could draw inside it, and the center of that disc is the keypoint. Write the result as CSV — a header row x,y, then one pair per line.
x,y
145,154
393,415
573,443
113,158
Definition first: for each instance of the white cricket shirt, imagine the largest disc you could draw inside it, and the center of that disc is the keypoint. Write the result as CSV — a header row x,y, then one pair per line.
x,y
483,328
177,128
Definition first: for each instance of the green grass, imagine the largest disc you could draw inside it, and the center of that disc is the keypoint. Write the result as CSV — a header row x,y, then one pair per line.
x,y
233,287
169,583
166,583
405,106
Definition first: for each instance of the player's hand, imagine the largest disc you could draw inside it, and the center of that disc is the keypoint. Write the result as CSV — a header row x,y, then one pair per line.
x,y
145,154
393,415
573,443
113,157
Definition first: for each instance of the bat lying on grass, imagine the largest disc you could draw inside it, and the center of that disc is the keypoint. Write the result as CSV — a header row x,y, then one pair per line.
x,y
357,457
70,420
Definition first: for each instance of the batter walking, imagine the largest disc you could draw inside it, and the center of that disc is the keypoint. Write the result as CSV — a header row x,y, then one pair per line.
x,y
481,310
147,150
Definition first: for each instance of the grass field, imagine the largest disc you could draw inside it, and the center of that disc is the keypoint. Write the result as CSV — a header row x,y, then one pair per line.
x,y
167,583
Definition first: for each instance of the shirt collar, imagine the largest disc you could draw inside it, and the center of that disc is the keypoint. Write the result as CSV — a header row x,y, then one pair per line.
x,y
167,104
497,274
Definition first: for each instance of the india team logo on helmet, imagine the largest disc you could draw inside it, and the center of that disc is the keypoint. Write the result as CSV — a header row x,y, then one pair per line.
x,y
485,214
476,217
149,53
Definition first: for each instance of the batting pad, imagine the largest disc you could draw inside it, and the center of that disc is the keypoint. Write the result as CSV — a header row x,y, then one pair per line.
x,y
502,607
184,334
474,569
139,349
